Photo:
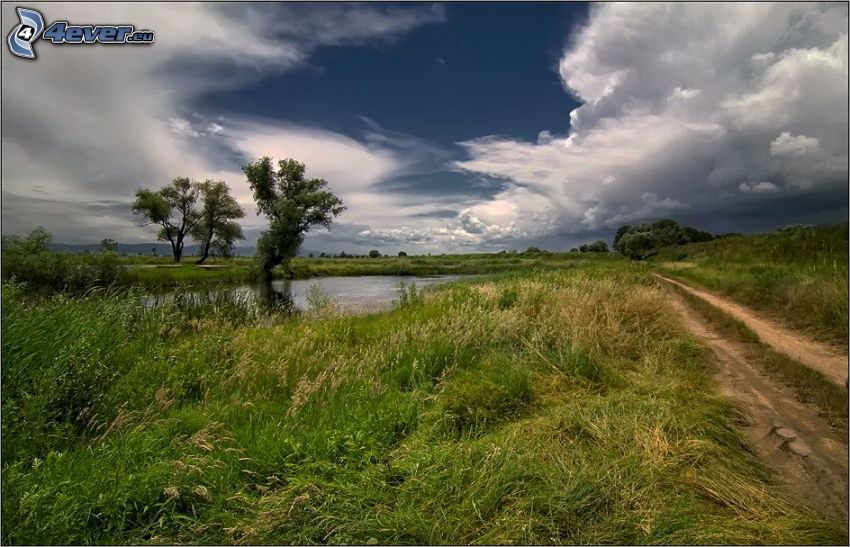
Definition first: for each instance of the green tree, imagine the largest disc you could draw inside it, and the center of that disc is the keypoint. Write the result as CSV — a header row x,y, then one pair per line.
x,y
108,245
293,205
620,233
216,230
402,253
36,242
374,253
173,208
597,246
692,235
637,245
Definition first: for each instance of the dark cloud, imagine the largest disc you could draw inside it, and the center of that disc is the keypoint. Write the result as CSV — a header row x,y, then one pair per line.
x,y
699,113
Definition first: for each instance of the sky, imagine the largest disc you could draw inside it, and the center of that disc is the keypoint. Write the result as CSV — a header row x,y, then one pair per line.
x,y
454,127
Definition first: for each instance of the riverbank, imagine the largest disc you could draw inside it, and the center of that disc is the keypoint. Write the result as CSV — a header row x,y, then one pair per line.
x,y
238,270
547,407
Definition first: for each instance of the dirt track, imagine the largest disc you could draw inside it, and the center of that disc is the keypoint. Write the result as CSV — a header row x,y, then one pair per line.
x,y
813,354
806,453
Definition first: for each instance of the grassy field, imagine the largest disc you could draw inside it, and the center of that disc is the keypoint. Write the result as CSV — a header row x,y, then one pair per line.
x,y
545,407
161,273
798,275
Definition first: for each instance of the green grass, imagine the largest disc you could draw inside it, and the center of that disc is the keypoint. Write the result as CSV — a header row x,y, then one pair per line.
x,y
237,270
549,407
800,275
69,272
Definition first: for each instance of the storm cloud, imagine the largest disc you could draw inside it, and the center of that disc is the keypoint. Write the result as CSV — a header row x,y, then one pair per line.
x,y
688,110
729,117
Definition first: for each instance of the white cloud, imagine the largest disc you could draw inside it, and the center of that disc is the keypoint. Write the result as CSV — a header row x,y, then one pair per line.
x,y
682,107
795,146
86,124
182,127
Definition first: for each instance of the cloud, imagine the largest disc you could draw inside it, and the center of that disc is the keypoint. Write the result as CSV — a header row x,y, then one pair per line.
x,y
85,125
788,145
683,107
182,128
758,187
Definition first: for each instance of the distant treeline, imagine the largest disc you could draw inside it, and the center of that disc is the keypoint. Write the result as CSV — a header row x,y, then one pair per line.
x,y
642,240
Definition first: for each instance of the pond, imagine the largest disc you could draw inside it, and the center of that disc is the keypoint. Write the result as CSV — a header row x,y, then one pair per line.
x,y
352,294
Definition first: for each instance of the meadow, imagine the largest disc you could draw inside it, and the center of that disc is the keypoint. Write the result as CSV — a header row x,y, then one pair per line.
x,y
163,274
563,406
798,274
63,271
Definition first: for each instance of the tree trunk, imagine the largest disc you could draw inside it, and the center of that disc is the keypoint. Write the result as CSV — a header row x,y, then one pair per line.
x,y
178,250
205,252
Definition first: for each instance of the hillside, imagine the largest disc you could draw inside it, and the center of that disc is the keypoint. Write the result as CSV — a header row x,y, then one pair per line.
x,y
797,274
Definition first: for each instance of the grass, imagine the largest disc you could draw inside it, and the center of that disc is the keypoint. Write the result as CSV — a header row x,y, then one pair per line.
x,y
547,407
798,275
70,272
810,386
238,269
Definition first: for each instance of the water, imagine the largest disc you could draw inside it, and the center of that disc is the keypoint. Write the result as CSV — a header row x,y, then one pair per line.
x,y
353,294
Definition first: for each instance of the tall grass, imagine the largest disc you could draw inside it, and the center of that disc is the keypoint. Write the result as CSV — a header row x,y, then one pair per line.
x,y
565,407
65,271
798,274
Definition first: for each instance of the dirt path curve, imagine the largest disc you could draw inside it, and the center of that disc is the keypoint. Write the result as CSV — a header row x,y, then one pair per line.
x,y
806,453
813,354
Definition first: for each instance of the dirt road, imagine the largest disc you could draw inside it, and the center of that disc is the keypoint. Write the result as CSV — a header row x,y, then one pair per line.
x,y
813,354
805,452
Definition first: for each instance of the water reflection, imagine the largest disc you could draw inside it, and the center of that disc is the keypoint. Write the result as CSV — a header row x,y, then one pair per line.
x,y
274,297
350,294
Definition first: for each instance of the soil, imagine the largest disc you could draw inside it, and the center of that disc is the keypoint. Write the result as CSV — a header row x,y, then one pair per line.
x,y
816,355
808,456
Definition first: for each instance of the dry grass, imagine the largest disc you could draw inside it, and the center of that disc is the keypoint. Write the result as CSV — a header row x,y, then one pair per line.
x,y
564,407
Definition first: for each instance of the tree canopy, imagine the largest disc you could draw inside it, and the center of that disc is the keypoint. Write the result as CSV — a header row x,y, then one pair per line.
x,y
173,208
216,230
293,205
640,241
597,246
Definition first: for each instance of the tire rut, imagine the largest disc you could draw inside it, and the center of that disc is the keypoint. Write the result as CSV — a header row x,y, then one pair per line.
x,y
808,455
818,356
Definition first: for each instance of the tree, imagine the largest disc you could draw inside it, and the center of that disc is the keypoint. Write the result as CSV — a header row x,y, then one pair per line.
x,y
692,235
374,253
36,242
638,241
108,245
597,246
533,250
402,253
216,231
293,205
175,200
620,233
637,245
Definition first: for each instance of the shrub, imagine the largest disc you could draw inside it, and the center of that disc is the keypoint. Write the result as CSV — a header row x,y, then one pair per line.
x,y
597,246
28,259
